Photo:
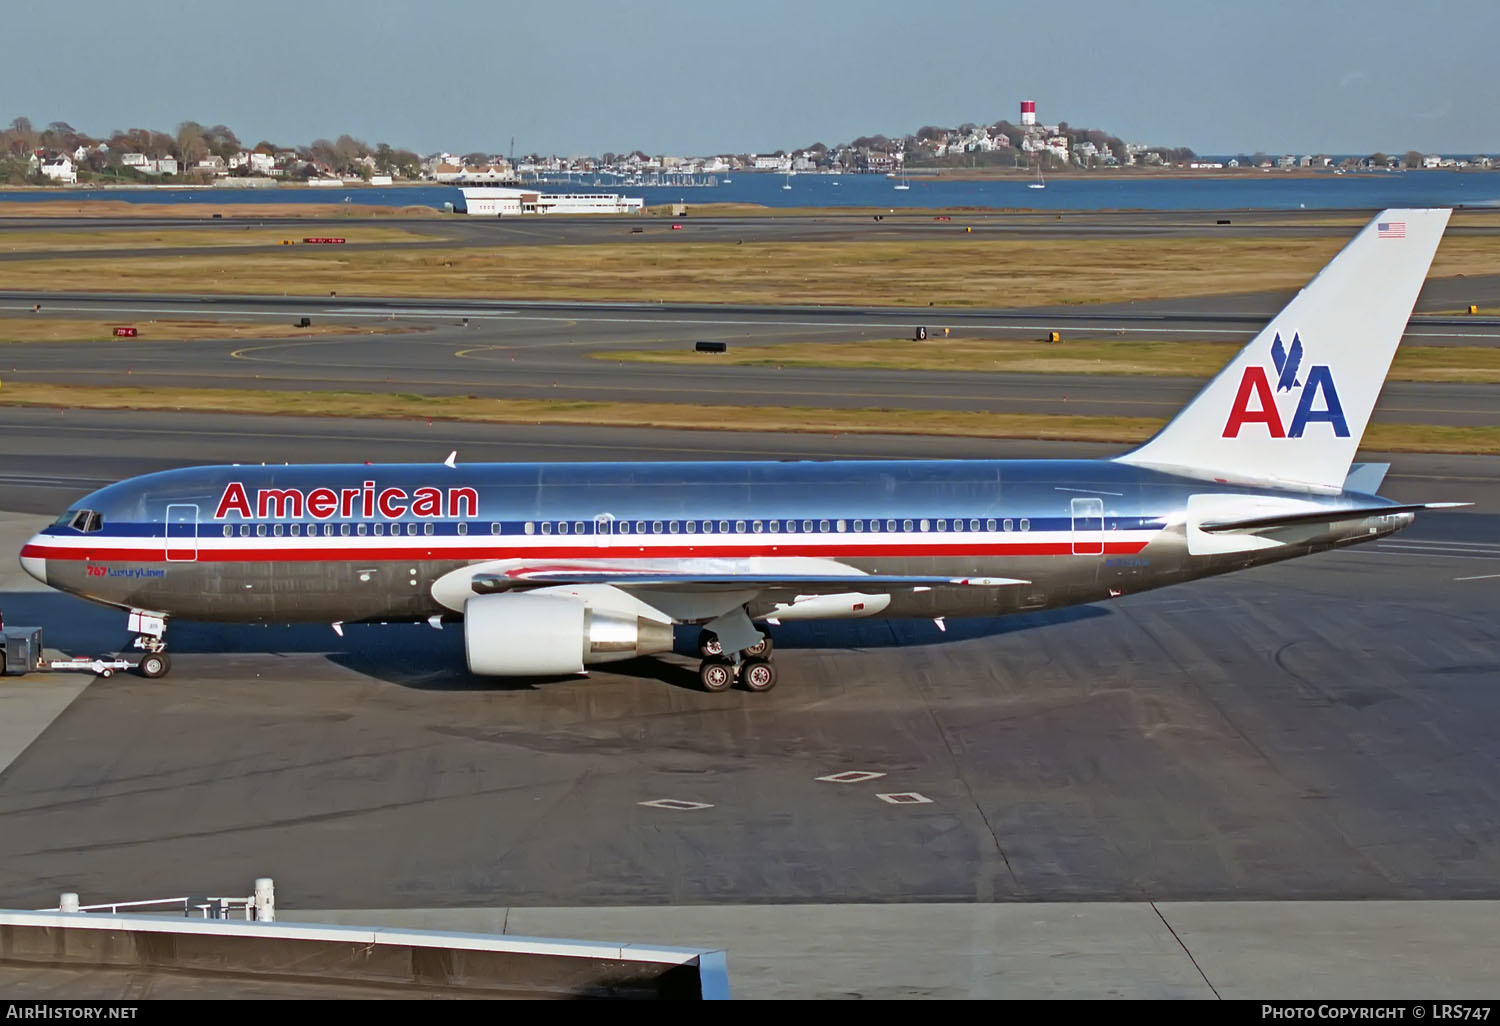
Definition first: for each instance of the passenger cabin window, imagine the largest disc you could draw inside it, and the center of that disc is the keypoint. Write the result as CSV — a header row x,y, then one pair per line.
x,y
276,530
1025,524
426,528
462,528
228,530
495,527
379,529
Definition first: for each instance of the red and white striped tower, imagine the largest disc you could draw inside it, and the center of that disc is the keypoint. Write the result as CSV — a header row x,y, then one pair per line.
x,y
1028,113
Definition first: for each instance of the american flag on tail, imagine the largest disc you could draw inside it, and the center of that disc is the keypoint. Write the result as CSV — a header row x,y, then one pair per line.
x,y
1391,229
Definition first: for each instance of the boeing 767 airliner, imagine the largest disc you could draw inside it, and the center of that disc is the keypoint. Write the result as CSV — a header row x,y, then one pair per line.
x,y
556,567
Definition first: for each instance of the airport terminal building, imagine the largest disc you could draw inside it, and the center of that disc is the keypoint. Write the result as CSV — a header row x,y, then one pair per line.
x,y
505,201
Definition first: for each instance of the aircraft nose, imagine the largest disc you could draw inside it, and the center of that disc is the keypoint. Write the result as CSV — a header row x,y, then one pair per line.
x,y
32,561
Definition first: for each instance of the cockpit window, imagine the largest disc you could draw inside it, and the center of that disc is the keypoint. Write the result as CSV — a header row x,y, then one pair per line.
x,y
85,521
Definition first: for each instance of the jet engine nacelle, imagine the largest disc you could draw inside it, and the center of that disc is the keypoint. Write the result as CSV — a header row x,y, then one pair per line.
x,y
540,635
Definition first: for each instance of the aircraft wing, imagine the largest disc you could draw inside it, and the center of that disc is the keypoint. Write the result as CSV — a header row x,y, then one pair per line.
x,y
810,583
693,588
1330,515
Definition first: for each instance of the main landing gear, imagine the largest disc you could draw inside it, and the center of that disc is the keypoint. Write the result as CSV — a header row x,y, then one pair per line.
x,y
752,666
150,636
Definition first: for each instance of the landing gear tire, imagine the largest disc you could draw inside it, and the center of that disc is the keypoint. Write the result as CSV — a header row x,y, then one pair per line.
x,y
761,649
709,645
154,665
758,675
716,675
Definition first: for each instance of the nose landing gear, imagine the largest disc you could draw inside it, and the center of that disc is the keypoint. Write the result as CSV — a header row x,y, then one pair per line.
x,y
155,664
150,631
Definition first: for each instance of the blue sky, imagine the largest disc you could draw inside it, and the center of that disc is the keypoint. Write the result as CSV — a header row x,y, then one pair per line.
x,y
675,77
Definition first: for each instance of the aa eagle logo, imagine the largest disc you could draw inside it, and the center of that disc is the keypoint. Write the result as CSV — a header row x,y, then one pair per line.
x,y
1287,363
1255,402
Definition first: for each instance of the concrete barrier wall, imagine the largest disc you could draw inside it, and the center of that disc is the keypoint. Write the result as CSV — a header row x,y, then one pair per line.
x,y
471,964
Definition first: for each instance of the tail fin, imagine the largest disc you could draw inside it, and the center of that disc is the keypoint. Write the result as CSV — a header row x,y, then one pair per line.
x,y
1293,405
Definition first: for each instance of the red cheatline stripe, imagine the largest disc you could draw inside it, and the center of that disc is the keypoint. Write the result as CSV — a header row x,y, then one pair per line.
x,y
300,555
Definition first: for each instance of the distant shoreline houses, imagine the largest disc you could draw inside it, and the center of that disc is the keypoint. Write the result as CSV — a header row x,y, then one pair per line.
x,y
1003,146
64,166
59,155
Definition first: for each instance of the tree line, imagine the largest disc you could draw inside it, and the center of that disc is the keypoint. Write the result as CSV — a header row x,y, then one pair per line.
x,y
191,143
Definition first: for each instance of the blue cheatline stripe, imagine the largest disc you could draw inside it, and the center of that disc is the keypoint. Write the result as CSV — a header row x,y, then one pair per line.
x,y
511,528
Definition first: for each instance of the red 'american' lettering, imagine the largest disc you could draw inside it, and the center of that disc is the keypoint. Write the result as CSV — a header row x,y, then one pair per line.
x,y
368,501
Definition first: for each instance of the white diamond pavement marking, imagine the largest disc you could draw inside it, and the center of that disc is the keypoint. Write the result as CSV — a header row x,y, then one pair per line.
x,y
851,777
676,804
905,798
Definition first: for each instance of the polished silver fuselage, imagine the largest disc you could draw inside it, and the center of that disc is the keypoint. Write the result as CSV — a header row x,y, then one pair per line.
x,y
181,544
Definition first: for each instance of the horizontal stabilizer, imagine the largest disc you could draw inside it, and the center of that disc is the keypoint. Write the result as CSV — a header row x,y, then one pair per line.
x,y
1321,516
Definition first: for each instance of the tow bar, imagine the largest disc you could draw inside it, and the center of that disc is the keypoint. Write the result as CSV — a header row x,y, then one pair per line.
x,y
101,667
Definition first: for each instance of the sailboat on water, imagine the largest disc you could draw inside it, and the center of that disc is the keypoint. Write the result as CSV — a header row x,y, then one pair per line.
x,y
904,184
1041,182
787,186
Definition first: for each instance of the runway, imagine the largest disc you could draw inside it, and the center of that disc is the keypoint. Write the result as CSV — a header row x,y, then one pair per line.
x,y
1321,729
703,222
558,350
461,231
554,350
